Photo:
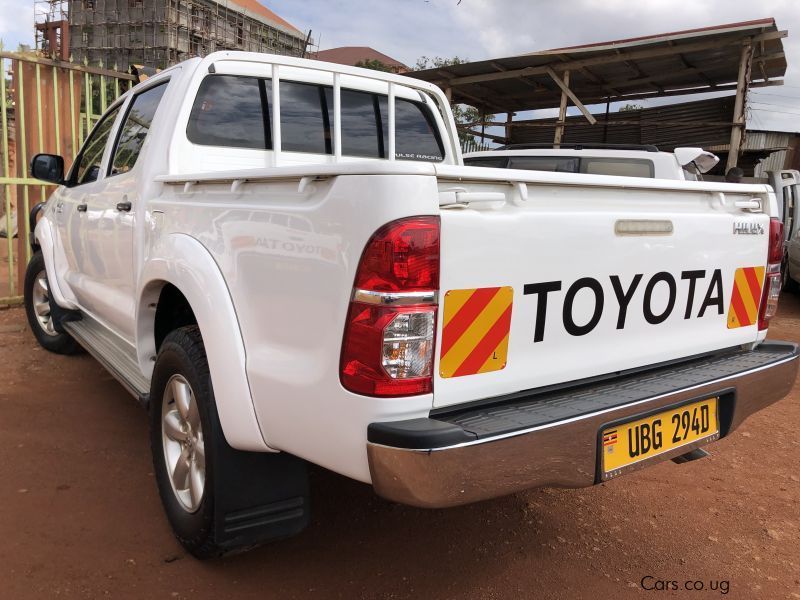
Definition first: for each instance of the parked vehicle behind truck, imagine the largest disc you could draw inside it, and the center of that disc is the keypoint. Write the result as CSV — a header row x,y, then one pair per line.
x,y
288,262
627,160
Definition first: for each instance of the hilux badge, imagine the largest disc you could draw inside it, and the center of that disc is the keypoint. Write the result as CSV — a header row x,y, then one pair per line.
x,y
747,228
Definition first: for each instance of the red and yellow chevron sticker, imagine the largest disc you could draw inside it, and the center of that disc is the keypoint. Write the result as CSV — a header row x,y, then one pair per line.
x,y
475,331
746,297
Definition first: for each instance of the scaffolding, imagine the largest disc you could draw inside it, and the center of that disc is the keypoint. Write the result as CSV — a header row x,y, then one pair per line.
x,y
158,34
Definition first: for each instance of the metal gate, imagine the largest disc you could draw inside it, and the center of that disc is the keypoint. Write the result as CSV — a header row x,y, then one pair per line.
x,y
45,106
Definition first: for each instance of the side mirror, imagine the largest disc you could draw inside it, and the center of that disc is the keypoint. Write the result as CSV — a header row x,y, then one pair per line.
x,y
48,167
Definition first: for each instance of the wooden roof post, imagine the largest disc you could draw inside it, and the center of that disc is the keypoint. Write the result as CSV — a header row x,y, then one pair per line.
x,y
562,111
739,121
448,92
564,85
509,119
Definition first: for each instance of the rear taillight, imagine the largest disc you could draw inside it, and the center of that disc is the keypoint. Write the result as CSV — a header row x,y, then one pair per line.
x,y
391,323
772,282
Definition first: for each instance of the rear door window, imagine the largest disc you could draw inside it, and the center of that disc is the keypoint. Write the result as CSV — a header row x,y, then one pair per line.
x,y
232,111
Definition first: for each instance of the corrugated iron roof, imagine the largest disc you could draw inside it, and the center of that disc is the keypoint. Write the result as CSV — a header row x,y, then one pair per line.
x,y
683,62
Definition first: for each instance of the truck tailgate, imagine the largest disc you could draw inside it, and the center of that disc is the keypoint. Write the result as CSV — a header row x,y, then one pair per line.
x,y
547,278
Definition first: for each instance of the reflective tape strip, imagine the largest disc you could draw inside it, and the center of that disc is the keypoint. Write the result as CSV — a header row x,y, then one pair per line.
x,y
476,328
745,297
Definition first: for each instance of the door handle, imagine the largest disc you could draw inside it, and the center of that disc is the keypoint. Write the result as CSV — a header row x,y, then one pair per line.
x,y
124,206
82,207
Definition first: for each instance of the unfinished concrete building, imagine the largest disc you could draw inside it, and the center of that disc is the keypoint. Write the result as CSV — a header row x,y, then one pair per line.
x,y
161,33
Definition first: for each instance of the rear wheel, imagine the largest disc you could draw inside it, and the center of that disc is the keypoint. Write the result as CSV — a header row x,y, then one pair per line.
x,y
217,499
38,308
180,397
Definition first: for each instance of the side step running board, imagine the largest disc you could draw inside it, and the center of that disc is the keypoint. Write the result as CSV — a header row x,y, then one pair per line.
x,y
113,353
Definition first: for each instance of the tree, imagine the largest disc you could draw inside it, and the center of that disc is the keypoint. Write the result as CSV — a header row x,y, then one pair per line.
x,y
462,113
375,65
631,107
427,62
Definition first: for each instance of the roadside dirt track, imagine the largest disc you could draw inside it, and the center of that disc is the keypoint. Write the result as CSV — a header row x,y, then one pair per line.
x,y
80,515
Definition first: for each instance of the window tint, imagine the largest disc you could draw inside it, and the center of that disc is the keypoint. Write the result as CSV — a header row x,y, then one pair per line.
x,y
359,124
134,129
416,135
304,118
624,167
231,111
87,167
492,162
556,164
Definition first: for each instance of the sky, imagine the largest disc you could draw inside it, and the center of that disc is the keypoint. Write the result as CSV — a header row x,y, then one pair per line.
x,y
483,29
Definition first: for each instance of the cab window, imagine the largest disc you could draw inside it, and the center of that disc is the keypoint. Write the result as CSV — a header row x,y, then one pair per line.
x,y
490,162
304,118
555,164
416,134
87,166
232,111
360,125
622,167
135,128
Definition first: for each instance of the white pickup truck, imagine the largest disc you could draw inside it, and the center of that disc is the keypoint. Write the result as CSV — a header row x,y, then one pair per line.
x,y
287,261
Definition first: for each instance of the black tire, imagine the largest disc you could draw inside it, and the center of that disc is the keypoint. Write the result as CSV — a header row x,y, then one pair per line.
x,y
248,498
44,329
182,353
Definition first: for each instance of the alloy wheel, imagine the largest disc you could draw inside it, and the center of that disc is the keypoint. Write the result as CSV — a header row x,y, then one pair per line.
x,y
182,438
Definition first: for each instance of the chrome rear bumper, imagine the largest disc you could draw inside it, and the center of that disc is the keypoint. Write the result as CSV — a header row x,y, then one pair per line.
x,y
552,439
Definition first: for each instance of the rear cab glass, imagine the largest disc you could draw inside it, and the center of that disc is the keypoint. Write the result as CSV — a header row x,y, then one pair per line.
x,y
621,167
490,162
235,111
557,164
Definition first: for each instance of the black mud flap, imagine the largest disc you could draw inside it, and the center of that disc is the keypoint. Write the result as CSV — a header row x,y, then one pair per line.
x,y
259,497
61,315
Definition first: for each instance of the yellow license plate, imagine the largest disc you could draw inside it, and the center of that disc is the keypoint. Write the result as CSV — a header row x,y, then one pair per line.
x,y
629,443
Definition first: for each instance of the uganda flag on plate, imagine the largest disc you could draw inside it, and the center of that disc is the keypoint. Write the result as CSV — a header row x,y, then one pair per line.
x,y
475,331
745,297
